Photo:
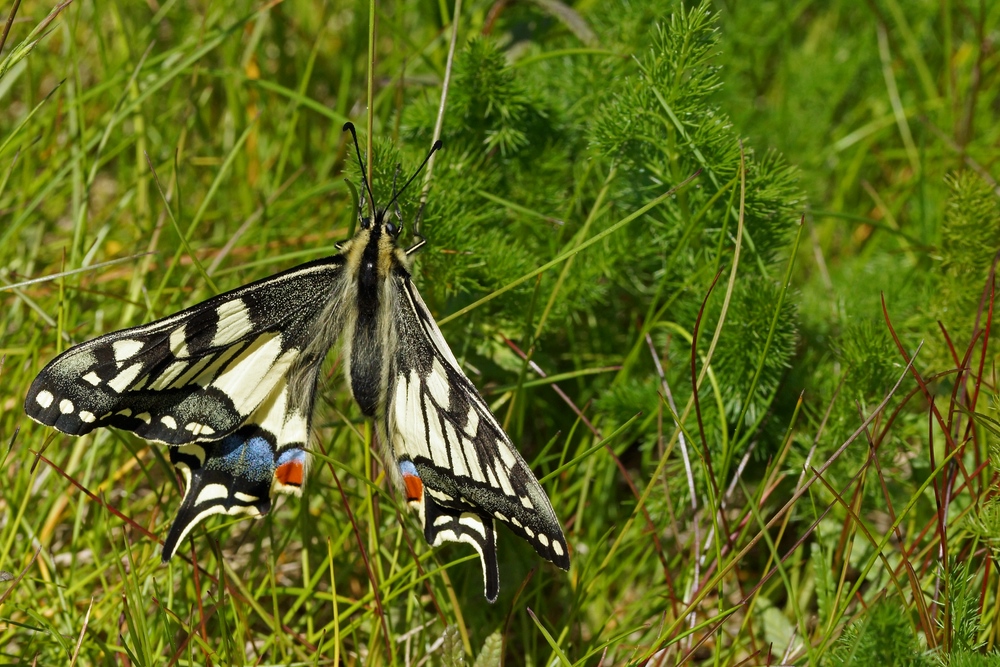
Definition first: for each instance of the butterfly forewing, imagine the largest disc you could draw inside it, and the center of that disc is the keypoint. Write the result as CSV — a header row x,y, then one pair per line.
x,y
437,420
197,375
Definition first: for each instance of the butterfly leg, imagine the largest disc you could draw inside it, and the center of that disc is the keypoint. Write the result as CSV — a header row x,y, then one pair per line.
x,y
421,241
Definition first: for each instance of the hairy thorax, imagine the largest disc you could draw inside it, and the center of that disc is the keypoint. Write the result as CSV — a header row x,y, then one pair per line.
x,y
374,262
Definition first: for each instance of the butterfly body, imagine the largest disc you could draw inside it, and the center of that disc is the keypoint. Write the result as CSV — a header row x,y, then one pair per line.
x,y
230,384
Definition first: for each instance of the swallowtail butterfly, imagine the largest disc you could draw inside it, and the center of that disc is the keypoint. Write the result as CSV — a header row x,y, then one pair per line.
x,y
230,384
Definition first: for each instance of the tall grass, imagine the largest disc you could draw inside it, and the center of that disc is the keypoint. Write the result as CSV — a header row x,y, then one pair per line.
x,y
824,497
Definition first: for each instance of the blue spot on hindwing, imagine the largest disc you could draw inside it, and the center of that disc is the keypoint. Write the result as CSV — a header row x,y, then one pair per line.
x,y
291,455
250,458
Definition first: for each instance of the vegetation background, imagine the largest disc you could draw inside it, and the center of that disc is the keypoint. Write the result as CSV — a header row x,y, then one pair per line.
x,y
821,502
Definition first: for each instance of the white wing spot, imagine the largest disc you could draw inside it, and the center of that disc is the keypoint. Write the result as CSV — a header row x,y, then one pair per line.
x,y
434,436
504,479
529,532
543,539
196,451
516,522
271,415
193,371
121,381
253,374
437,384
211,492
526,502
234,323
169,375
178,343
407,426
87,417
413,438
296,428
446,536
472,423
460,468
66,406
437,494
473,522
44,398
127,412
198,429
245,497
126,349
507,454
218,361
557,548
501,516
93,378
442,520
168,421
144,416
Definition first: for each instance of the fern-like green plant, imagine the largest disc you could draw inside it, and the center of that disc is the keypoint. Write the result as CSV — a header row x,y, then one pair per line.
x,y
882,636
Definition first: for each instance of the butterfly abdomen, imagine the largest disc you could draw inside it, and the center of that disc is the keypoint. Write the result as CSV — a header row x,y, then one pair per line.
x,y
365,364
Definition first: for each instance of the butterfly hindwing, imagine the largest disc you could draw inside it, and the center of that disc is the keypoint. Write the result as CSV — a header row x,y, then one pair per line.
x,y
235,475
447,524
240,473
193,376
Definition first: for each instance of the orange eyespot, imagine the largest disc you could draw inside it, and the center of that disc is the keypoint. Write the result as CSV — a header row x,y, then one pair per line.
x,y
414,488
290,474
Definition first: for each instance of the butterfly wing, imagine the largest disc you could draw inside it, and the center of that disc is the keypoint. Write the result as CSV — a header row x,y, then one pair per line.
x,y
458,466
197,375
240,473
236,475
230,382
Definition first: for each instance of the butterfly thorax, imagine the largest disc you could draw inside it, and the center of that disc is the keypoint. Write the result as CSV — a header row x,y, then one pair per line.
x,y
372,258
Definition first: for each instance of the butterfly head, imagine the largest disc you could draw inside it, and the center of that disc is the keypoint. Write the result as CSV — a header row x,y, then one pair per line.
x,y
391,228
382,220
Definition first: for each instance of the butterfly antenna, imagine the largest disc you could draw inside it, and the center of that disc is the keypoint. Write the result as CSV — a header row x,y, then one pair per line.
x,y
435,148
395,177
349,127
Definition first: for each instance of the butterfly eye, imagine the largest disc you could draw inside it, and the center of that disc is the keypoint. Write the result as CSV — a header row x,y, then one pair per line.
x,y
391,228
366,222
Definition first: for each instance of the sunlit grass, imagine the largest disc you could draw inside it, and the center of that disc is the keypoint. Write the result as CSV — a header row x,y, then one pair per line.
x,y
154,155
